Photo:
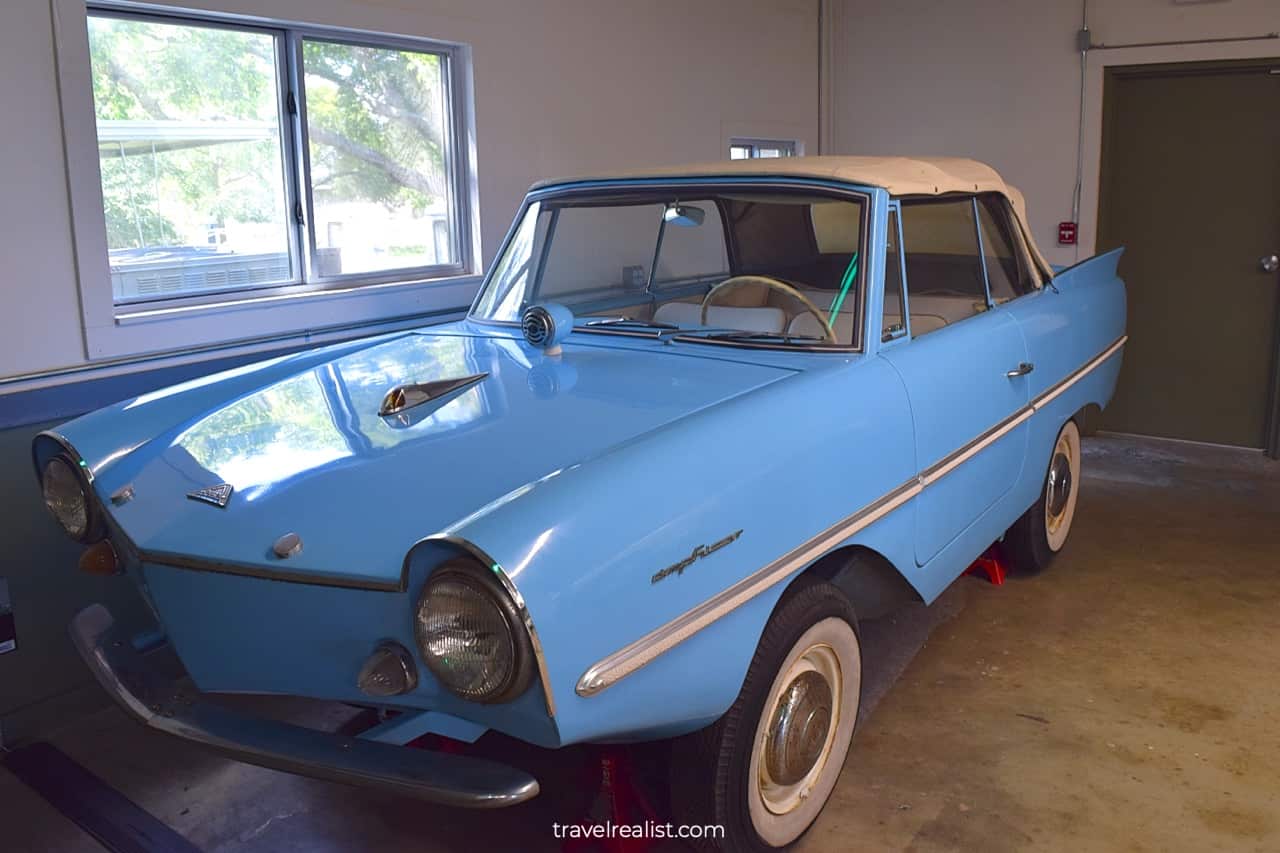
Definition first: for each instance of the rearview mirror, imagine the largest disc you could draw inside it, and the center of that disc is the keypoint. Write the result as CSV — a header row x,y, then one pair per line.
x,y
684,215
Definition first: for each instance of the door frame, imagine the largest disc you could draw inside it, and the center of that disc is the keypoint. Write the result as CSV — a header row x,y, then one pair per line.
x,y
1110,74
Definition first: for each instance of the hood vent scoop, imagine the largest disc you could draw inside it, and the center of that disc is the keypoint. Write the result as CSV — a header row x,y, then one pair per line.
x,y
404,397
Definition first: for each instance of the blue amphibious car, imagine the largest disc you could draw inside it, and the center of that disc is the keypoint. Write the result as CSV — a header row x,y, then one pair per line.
x,y
697,422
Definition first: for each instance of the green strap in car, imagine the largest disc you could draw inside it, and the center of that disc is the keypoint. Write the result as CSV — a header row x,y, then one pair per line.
x,y
849,275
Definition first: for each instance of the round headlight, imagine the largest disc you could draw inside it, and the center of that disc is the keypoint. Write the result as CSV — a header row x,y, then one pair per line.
x,y
66,498
472,637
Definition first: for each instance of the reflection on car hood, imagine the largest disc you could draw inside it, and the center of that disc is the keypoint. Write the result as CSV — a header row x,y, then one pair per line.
x,y
307,452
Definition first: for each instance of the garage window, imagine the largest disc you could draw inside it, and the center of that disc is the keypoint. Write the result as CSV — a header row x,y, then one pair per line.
x,y
242,158
761,149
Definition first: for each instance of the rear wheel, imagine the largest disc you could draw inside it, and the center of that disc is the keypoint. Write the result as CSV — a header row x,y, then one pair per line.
x,y
766,768
1042,531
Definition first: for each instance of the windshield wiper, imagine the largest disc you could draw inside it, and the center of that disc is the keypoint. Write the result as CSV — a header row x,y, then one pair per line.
x,y
742,335
669,330
629,321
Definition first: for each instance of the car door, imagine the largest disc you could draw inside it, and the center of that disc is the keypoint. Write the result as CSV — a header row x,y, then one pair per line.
x,y
964,369
1016,285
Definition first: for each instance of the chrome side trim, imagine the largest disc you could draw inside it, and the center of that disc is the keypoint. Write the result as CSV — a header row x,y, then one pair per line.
x,y
617,666
630,658
225,567
954,460
474,550
1053,393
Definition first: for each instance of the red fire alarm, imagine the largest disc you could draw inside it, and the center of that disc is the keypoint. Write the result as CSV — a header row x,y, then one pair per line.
x,y
1066,233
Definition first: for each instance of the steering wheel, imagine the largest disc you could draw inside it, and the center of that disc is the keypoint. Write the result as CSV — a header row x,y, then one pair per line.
x,y
774,284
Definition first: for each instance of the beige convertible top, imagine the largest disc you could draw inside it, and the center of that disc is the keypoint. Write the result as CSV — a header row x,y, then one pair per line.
x,y
898,175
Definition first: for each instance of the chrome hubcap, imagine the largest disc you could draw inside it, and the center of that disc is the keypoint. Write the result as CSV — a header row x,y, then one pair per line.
x,y
802,723
1059,486
799,728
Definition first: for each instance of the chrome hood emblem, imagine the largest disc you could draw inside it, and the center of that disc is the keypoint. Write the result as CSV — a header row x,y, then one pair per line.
x,y
404,397
218,495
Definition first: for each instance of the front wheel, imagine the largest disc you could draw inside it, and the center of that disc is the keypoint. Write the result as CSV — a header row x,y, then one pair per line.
x,y
764,771
1040,533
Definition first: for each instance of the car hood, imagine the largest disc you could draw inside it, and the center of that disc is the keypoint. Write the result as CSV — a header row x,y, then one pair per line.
x,y
305,450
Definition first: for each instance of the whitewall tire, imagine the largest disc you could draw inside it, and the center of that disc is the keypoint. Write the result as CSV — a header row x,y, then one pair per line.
x,y
1062,487
765,770
1042,531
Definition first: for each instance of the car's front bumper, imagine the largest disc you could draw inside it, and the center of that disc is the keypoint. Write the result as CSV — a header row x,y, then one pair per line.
x,y
167,706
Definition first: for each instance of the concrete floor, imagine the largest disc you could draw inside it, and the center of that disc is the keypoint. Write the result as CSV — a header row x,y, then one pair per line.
x,y
1128,699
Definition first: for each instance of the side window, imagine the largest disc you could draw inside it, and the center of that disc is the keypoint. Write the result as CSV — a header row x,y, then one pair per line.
x,y
1008,273
1031,271
893,323
944,270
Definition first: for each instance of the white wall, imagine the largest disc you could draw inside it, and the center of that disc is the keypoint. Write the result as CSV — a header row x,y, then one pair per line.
x,y
561,87
999,80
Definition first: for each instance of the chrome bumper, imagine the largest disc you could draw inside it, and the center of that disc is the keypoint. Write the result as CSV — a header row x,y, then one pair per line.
x,y
436,777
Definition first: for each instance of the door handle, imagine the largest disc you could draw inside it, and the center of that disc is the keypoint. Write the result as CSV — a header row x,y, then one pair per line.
x,y
1269,263
1021,370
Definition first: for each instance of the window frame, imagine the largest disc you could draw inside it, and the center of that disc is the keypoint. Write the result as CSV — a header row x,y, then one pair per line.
x,y
982,251
893,213
865,196
291,177
295,38
1020,254
982,259
409,295
1021,248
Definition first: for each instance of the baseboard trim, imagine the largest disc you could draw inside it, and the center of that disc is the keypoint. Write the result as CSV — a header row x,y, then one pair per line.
x,y
1190,441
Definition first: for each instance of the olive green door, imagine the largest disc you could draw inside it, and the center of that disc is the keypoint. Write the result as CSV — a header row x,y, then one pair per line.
x,y
1191,189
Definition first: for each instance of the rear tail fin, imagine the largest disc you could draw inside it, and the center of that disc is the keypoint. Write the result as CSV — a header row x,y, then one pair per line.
x,y
1103,266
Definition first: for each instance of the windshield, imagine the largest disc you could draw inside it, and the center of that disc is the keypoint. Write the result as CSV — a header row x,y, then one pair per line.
x,y
748,265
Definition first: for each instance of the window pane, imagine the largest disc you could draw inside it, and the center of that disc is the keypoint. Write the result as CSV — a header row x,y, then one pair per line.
x,y
892,321
510,280
693,254
944,272
595,255
809,242
739,152
189,146
593,247
1006,276
1028,276
376,124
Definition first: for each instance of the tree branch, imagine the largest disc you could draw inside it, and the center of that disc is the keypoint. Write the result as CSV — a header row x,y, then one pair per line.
x,y
396,107
398,172
135,87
